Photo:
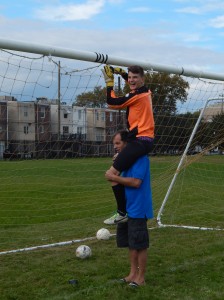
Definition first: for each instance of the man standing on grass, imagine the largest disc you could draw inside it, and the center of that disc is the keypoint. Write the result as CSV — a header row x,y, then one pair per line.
x,y
134,233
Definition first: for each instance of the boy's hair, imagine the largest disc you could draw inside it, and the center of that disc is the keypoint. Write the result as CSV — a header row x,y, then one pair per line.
x,y
123,134
136,70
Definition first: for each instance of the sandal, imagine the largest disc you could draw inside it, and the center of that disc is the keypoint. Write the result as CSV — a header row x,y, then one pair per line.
x,y
123,280
134,284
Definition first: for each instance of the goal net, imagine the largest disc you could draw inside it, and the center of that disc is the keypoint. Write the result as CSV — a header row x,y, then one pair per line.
x,y
55,145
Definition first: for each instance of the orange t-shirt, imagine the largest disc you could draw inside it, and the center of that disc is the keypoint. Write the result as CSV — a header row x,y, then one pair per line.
x,y
139,110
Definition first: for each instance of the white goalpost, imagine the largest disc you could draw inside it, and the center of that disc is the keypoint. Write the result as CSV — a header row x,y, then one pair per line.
x,y
181,165
55,145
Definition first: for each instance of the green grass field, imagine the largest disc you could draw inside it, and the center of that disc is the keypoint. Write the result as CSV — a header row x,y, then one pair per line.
x,y
50,201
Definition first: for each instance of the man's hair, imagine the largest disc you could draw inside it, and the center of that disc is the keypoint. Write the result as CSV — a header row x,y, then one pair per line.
x,y
136,70
123,134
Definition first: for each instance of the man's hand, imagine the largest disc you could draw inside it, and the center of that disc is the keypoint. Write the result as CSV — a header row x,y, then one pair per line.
x,y
108,73
109,175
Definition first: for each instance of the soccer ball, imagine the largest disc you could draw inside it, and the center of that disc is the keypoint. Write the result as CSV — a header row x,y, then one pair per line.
x,y
83,251
103,234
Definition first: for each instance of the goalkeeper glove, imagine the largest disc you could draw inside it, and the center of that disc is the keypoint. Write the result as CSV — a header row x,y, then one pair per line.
x,y
119,71
108,73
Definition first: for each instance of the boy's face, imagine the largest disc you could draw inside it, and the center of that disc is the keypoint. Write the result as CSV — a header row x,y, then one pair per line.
x,y
118,143
135,81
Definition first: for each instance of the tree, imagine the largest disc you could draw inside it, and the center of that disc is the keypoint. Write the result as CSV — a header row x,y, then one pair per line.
x,y
212,132
174,131
166,90
95,98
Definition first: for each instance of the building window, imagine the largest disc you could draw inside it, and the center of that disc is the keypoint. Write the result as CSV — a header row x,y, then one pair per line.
x,y
25,113
79,130
65,129
41,129
42,112
99,138
65,116
111,131
97,116
80,114
25,129
99,135
102,116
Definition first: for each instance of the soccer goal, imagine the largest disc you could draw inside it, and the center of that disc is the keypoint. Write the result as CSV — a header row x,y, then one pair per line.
x,y
200,172
55,145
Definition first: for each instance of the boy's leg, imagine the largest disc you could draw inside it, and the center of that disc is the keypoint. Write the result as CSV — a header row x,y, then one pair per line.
x,y
119,194
129,155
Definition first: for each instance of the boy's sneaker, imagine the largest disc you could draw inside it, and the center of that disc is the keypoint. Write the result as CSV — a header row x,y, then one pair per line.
x,y
120,219
111,220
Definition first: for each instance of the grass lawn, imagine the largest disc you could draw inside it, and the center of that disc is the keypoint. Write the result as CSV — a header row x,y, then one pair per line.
x,y
50,201
182,264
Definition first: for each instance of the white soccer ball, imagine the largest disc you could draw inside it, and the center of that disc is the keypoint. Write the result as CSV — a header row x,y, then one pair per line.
x,y
83,251
103,234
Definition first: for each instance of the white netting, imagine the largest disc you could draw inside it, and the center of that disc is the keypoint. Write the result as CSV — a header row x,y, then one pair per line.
x,y
45,199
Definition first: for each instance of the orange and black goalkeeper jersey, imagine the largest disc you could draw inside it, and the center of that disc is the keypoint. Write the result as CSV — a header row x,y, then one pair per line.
x,y
140,120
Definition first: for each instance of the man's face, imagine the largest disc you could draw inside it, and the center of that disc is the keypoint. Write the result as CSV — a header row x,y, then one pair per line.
x,y
118,143
135,81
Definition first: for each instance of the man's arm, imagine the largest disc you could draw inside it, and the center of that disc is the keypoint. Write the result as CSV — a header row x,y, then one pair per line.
x,y
126,181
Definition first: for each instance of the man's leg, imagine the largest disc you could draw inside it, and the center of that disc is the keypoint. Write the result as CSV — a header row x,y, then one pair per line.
x,y
142,262
138,261
133,258
139,240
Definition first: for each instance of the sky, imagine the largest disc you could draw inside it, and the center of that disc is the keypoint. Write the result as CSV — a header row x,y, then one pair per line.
x,y
168,32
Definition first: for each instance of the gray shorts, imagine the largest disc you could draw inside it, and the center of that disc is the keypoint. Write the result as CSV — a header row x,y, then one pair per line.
x,y
133,234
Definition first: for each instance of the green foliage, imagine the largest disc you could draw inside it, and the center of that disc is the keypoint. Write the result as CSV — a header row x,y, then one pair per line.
x,y
95,98
166,90
214,130
173,130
